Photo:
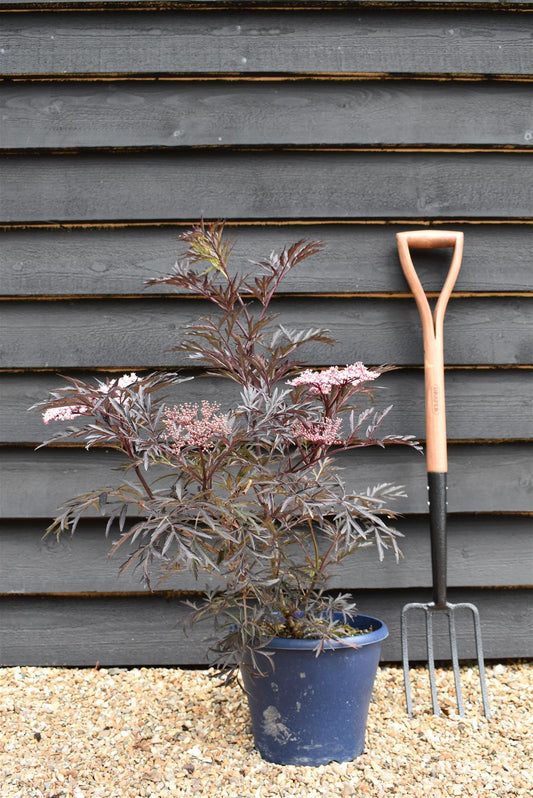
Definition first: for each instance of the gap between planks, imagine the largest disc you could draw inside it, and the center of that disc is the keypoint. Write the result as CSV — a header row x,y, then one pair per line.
x,y
432,149
185,595
175,296
104,447
249,5
260,223
101,77
187,369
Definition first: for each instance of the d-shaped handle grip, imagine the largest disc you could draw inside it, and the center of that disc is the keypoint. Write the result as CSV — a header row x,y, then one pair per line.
x,y
432,328
430,239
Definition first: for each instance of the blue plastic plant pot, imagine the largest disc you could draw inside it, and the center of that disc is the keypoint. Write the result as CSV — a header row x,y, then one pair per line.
x,y
311,710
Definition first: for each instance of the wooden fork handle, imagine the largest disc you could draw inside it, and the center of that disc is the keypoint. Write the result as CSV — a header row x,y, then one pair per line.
x,y
433,330
430,239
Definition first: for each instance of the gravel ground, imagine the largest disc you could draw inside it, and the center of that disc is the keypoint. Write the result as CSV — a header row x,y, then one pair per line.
x,y
159,732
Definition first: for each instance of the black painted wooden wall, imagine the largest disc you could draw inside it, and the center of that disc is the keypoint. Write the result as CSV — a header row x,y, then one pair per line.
x,y
124,122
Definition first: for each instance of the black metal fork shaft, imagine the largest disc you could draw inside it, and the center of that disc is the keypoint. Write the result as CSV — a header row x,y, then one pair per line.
x,y
437,501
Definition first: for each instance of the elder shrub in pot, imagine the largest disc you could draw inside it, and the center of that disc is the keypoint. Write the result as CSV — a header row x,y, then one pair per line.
x,y
252,495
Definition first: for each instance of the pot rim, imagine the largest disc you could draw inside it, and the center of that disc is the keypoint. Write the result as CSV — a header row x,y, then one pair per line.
x,y
353,641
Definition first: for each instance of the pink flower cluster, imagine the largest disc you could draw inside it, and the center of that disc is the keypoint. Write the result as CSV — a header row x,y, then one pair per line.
x,y
322,382
68,412
325,432
65,413
195,425
122,382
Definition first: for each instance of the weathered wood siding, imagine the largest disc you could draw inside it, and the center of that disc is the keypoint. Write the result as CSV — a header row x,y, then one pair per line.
x,y
122,124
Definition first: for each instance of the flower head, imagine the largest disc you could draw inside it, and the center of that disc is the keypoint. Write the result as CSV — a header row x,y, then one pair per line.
x,y
321,382
64,413
122,382
127,379
68,412
195,425
325,432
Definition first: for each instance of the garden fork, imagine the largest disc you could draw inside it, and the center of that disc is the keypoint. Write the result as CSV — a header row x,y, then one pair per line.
x,y
437,464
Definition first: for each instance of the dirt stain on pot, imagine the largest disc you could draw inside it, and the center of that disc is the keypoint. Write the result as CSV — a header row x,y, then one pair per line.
x,y
274,727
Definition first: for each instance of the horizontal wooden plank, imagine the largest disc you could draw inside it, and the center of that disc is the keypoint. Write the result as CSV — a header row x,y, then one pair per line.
x,y
482,551
194,114
482,478
481,405
258,185
138,333
357,258
258,42
148,630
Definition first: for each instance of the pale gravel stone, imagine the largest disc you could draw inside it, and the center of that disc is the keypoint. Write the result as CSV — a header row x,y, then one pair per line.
x,y
162,733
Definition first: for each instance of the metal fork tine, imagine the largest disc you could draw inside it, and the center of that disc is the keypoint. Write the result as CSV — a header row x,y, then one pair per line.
x,y
480,662
405,658
455,660
431,661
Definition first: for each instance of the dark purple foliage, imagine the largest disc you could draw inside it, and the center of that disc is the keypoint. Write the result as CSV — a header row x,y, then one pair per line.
x,y
254,497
